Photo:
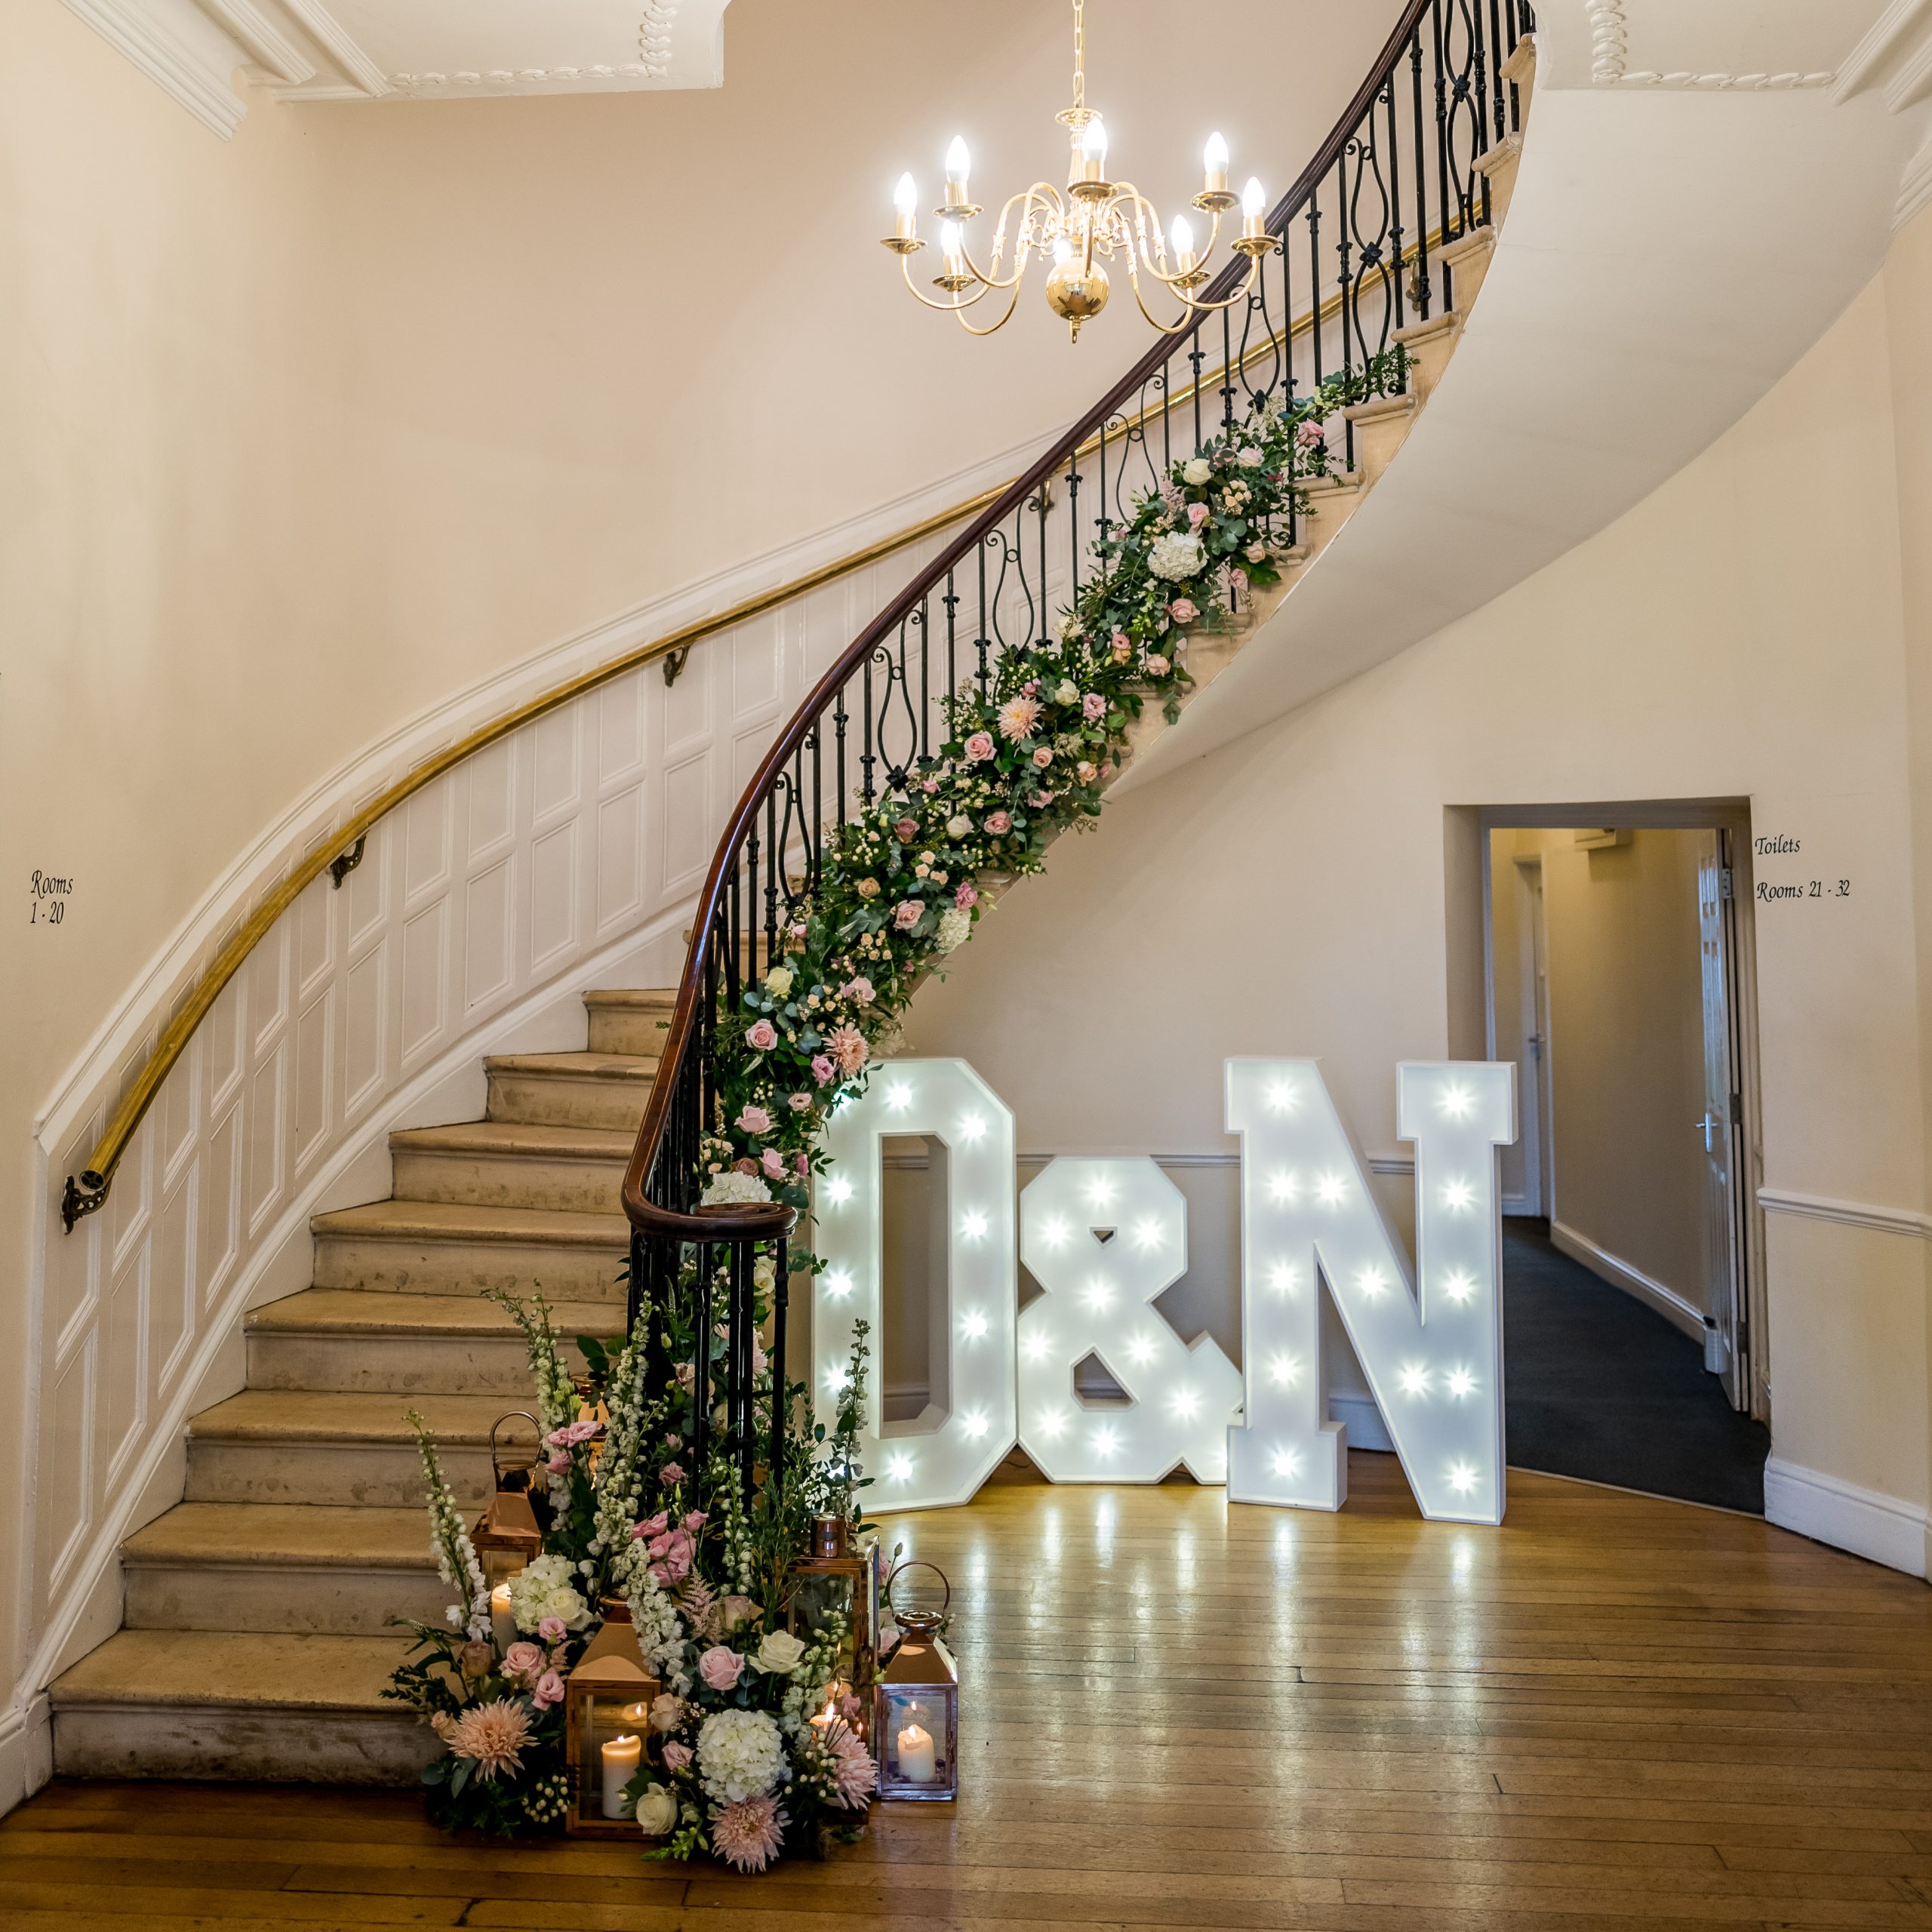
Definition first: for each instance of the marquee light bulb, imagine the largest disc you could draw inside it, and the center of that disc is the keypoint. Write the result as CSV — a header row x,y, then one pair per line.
x,y
898,1467
838,1190
1036,1345
974,1424
1287,1463
899,1095
1371,1281
1106,1440
1456,1102
973,1127
1282,1097
1415,1379
1053,1423
1462,1478
1284,1369
958,161
1100,1295
1141,1349
905,196
1054,1232
972,1225
1147,1234
1281,1277
1459,1286
1456,1196
1461,1383
1331,1188
973,1325
1283,1186
836,1377
838,1281
1101,1191
1186,1403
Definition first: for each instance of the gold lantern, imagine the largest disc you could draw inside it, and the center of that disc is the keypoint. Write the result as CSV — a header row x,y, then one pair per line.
x,y
915,1711
606,1713
835,1580
507,1536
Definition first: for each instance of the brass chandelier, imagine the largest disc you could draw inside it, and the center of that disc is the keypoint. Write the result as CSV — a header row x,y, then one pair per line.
x,y
1093,222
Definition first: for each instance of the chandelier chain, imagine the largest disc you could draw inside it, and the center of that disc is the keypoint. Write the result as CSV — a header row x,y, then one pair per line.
x,y
1079,54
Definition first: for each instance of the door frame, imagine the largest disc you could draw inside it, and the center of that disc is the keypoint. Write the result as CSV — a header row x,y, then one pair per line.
x,y
1730,817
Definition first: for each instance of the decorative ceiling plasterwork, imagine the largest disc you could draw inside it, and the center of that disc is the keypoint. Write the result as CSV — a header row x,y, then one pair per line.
x,y
1610,43
363,50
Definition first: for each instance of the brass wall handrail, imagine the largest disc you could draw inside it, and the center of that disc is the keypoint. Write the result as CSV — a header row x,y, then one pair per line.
x,y
87,1191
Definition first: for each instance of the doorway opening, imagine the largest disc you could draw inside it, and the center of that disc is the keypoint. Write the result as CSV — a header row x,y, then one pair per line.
x,y
1617,944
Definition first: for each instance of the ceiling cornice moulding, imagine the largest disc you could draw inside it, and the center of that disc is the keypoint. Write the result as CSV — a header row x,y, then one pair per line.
x,y
1609,44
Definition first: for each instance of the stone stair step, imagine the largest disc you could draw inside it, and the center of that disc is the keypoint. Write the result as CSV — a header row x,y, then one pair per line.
x,y
630,1023
513,1164
349,1339
571,1090
313,1446
235,1705
443,1247
296,1567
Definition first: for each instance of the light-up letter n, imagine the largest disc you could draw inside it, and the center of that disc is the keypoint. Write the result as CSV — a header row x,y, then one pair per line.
x,y
945,1455
1103,1237
1432,1349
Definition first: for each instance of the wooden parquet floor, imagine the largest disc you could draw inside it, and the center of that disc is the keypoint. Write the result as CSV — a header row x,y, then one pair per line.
x,y
1612,1712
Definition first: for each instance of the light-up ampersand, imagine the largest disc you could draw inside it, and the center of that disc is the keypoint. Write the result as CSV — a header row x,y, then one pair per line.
x,y
1433,1354
1103,1238
943,1456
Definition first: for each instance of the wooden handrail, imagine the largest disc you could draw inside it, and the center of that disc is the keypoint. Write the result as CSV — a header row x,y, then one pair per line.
x,y
754,1222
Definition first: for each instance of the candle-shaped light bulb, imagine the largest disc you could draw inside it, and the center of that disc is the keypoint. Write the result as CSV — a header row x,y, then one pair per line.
x,y
951,247
905,200
1253,209
1093,150
958,162
1181,238
1215,159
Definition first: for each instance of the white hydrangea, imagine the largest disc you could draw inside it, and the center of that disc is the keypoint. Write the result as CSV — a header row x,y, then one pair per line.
x,y
740,1755
733,1189
543,1589
1197,471
1176,557
955,926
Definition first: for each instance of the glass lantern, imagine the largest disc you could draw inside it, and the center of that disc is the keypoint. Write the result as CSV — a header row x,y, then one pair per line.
x,y
836,1580
507,1536
607,1713
915,1716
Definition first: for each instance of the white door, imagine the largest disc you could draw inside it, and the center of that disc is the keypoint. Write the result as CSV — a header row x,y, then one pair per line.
x,y
1533,1056
1719,1127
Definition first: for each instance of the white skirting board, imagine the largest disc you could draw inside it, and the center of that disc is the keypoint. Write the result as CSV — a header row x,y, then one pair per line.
x,y
26,1751
1366,1430
1667,1302
1864,1522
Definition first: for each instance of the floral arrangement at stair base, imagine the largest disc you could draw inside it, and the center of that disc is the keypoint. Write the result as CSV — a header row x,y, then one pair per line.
x,y
735,1763
1030,753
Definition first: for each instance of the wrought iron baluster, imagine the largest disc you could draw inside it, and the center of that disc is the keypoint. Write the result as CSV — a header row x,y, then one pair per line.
x,y
1419,283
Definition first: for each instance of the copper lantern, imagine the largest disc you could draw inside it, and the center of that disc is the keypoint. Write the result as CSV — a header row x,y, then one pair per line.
x,y
915,1707
507,1536
607,1713
834,1579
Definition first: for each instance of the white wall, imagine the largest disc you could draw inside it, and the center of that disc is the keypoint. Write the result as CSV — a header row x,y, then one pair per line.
x,y
1741,632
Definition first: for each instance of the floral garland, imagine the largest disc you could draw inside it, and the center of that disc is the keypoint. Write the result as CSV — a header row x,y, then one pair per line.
x,y
1030,751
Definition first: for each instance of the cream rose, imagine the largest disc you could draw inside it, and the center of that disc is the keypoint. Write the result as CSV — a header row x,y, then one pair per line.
x,y
780,1654
657,1811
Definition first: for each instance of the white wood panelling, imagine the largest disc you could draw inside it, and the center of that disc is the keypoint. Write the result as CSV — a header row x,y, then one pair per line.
x,y
511,882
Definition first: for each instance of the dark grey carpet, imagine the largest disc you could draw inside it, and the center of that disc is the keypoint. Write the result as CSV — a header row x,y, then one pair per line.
x,y
1600,1386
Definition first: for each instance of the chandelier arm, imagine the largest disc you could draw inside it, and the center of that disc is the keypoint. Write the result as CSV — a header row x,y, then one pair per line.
x,y
1181,328
944,308
992,328
1019,254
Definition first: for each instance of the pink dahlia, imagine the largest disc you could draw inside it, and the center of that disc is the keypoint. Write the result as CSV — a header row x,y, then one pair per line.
x,y
493,1734
854,1775
847,1045
1017,717
762,1036
979,747
747,1835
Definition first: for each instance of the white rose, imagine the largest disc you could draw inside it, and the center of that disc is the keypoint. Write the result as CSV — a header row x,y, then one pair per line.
x,y
764,1272
1197,471
957,828
778,982
1250,459
657,1811
780,1653
1175,558
1067,693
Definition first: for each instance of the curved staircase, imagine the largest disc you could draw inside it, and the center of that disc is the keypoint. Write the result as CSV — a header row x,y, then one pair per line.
x,y
256,1640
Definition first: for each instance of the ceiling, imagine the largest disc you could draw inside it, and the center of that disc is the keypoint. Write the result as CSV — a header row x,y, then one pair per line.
x,y
365,50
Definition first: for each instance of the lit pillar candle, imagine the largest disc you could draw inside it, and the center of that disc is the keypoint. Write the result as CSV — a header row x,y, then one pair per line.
x,y
919,1763
503,1625
622,1756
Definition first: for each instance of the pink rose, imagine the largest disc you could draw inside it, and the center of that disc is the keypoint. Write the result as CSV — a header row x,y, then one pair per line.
x,y
1182,611
822,1069
1107,769
968,894
1043,758
1309,435
721,1667
929,786
548,1690
774,1163
1197,514
745,1165
799,1103
860,989
906,915
979,747
676,1757
686,1377
477,1658
802,1163
867,888
1157,665
762,1036
671,1472
1093,707
1239,579
1122,647
754,1120
551,1629
999,823
667,1712
847,1047
1256,553
1086,771
523,1659
907,830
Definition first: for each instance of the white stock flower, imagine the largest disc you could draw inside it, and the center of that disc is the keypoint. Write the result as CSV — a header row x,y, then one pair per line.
x,y
733,1189
954,928
740,1755
1176,557
780,1653
1197,471
543,1589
